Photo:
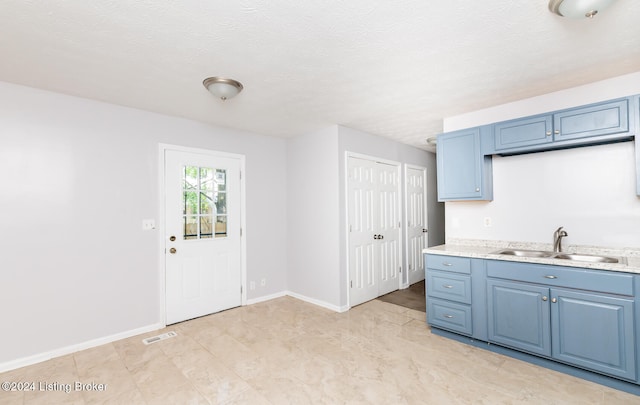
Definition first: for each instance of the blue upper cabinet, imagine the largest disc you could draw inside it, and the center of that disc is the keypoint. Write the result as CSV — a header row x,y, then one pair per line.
x,y
604,122
609,118
464,173
523,132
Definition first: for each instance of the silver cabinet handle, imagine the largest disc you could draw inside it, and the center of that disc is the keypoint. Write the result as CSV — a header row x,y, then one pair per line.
x,y
447,286
550,277
556,131
544,298
548,133
554,300
477,189
447,264
448,316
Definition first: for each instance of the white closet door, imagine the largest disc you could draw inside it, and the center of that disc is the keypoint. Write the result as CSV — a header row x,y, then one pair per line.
x,y
416,208
373,214
361,189
388,227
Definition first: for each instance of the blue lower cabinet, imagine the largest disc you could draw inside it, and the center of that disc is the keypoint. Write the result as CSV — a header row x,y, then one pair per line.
x,y
519,316
585,318
594,331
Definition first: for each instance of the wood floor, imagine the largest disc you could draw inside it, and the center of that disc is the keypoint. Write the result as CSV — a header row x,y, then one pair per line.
x,y
412,297
287,351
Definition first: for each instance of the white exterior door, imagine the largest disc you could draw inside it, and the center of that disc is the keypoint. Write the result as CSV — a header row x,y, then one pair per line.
x,y
374,229
416,209
202,234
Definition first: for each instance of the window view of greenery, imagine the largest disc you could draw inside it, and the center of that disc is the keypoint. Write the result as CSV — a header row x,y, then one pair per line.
x,y
205,202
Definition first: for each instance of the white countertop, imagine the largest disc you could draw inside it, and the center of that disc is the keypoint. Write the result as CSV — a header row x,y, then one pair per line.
x,y
483,249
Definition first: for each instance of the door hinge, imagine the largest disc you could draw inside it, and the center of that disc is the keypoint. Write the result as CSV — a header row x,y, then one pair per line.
x,y
240,174
351,283
240,232
350,228
240,288
400,269
399,224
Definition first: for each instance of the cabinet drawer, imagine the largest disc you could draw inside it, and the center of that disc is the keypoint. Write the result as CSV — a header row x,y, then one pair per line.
x,y
449,263
583,279
449,315
449,286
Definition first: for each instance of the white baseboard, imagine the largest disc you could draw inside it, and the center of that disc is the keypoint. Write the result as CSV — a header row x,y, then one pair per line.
x,y
266,298
63,351
318,302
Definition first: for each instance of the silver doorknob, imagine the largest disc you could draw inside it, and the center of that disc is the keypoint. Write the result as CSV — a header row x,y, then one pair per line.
x,y
172,251
172,238
554,300
544,298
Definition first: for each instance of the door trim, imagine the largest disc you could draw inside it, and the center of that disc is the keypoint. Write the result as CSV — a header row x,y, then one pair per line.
x,y
160,223
405,218
398,165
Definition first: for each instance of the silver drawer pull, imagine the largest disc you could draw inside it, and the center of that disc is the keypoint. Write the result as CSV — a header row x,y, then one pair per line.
x,y
447,264
448,316
447,286
551,277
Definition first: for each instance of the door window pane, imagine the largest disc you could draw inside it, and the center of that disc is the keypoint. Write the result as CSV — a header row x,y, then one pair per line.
x,y
221,226
206,227
191,227
204,202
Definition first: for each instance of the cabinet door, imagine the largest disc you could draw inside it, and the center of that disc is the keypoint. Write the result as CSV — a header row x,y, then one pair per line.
x,y
519,316
523,132
594,332
600,119
463,172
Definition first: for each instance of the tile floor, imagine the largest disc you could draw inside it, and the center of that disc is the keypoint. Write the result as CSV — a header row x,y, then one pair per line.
x,y
286,351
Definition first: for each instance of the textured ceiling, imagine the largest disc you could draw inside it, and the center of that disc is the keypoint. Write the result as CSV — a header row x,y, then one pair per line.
x,y
394,69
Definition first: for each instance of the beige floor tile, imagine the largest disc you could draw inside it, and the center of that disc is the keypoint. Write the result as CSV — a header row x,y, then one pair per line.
x,y
288,351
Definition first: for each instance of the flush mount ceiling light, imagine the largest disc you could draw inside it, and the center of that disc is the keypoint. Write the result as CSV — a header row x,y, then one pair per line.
x,y
222,88
578,8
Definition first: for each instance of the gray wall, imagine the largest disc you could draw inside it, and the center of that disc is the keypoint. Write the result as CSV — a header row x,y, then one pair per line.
x,y
312,194
78,177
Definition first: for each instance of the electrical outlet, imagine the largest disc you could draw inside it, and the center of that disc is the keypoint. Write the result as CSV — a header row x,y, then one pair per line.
x,y
252,285
487,222
263,282
148,224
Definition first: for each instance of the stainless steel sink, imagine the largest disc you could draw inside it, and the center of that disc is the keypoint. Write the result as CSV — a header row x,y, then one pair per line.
x,y
562,256
586,258
524,253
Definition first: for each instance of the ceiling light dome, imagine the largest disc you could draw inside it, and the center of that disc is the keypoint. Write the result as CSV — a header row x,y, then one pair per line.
x,y
222,88
578,8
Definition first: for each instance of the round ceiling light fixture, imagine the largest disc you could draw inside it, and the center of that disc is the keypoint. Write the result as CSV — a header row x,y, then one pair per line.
x,y
578,8
222,88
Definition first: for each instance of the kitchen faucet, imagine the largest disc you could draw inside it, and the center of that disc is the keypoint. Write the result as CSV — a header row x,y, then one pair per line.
x,y
557,239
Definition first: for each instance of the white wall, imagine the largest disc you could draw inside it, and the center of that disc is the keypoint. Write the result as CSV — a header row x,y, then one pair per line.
x,y
78,177
591,191
314,209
